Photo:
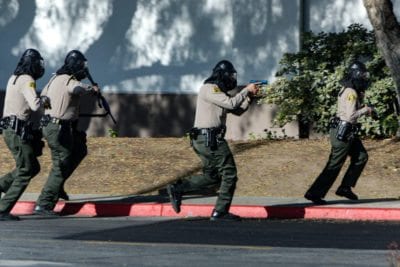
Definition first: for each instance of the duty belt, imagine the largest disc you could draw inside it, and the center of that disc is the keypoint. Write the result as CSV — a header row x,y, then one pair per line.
x,y
212,135
346,131
46,119
12,122
21,128
58,121
335,122
204,131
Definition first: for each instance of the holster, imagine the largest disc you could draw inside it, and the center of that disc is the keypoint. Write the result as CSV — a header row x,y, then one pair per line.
x,y
193,133
21,128
347,131
212,135
44,121
211,138
16,124
4,122
24,129
344,132
65,133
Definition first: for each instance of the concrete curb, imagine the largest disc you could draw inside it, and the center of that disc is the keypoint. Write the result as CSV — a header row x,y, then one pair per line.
x,y
93,209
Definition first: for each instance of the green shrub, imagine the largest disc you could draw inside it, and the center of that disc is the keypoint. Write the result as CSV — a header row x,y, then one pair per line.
x,y
307,82
112,133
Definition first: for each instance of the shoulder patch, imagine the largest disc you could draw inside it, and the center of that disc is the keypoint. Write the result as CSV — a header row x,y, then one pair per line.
x,y
352,97
32,85
216,90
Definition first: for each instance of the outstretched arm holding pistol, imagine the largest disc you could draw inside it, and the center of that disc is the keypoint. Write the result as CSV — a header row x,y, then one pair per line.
x,y
253,89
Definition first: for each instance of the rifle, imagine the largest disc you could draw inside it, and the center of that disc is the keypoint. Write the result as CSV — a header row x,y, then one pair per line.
x,y
101,101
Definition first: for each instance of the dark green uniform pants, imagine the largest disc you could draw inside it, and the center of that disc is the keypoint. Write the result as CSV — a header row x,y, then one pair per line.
x,y
219,170
27,166
339,152
68,148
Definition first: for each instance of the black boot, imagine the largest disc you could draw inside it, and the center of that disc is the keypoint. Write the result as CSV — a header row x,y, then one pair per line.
x,y
5,216
223,216
44,211
345,191
315,199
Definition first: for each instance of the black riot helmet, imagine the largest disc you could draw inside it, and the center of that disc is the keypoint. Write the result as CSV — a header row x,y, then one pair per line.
x,y
224,75
31,63
75,64
356,76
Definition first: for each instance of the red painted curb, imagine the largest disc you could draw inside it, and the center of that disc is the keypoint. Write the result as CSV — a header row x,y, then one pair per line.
x,y
93,209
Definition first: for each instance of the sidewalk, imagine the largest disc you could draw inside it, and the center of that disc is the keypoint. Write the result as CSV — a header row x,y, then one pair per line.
x,y
201,206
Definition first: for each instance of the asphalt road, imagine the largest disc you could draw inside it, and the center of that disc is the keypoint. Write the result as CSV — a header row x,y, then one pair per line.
x,y
129,241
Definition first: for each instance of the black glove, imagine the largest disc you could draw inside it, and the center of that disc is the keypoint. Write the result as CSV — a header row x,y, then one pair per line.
x,y
374,114
45,102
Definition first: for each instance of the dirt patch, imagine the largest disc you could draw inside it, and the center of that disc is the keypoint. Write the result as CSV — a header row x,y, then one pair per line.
x,y
121,166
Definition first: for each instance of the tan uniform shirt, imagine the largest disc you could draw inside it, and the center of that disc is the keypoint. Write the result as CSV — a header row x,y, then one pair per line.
x,y
349,106
64,94
213,105
21,98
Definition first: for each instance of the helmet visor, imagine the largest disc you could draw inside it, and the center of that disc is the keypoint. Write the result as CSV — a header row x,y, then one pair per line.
x,y
365,75
41,63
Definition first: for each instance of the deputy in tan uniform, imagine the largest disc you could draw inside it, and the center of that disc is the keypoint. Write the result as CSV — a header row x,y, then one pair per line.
x,y
207,138
344,139
20,100
59,124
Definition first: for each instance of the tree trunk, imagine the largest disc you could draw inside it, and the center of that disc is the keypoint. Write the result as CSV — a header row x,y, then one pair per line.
x,y
387,32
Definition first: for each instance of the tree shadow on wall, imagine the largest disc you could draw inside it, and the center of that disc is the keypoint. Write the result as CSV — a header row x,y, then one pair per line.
x,y
154,115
